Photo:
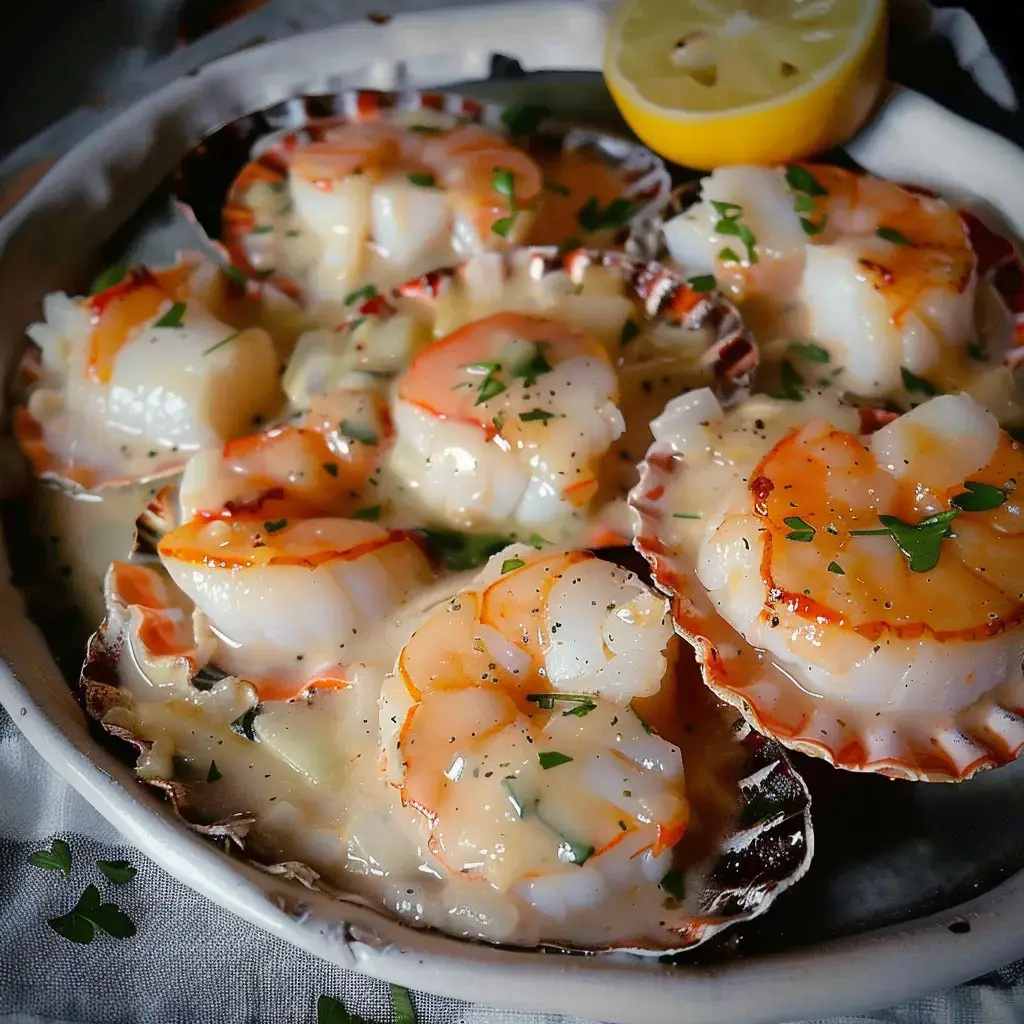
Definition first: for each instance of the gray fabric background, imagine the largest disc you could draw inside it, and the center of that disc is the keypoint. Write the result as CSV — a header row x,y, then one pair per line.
x,y
192,962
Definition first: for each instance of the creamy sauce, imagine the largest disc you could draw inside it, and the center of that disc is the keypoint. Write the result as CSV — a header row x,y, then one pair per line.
x,y
310,774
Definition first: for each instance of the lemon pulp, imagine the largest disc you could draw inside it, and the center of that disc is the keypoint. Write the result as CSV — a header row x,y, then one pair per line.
x,y
707,82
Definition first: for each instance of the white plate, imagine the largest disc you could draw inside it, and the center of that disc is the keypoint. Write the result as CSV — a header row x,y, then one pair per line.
x,y
48,242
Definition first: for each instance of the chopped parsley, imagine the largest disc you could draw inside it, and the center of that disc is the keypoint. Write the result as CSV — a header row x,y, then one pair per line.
x,y
401,1003
57,858
799,529
919,542
979,497
214,774
629,332
728,255
503,225
809,351
686,515
118,872
552,759
729,224
358,432
553,186
538,415
88,914
220,344
461,551
897,237
533,366
361,294
425,129
584,702
263,229
535,540
368,515
114,274
511,564
913,383
274,525
615,215
800,179
702,283
790,384
423,180
810,228
836,568
172,318
331,468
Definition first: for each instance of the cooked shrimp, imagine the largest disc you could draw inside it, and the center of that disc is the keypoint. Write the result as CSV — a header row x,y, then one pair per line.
x,y
505,420
886,572
296,595
882,278
323,466
142,371
382,201
507,725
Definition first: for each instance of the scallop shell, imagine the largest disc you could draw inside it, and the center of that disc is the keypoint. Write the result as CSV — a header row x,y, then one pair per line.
x,y
985,735
78,480
210,179
764,849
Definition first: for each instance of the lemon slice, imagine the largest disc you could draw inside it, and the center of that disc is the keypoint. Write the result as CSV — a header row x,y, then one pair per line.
x,y
711,82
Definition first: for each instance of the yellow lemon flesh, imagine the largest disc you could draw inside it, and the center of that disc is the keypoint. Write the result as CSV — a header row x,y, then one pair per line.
x,y
712,82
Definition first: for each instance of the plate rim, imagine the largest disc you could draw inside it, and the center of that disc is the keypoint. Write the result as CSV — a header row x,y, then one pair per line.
x,y
904,961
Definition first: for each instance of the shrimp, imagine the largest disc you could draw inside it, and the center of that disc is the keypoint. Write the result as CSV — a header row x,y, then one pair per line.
x,y
142,371
505,419
507,725
883,575
376,200
322,466
883,279
292,595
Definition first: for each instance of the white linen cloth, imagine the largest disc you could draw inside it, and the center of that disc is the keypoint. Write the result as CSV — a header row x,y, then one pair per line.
x,y
191,961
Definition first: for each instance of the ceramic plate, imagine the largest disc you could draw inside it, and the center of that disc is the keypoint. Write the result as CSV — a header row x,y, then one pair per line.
x,y
913,888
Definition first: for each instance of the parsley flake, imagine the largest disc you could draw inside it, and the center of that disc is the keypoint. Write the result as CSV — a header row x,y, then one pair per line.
x,y
913,383
800,179
503,225
274,525
791,384
836,568
897,237
504,183
809,351
538,415
57,858
361,294
686,515
462,551
220,344
629,331
800,530
533,366
423,180
511,564
214,774
584,702
113,275
615,215
172,318
979,497
552,759
368,515
730,224
919,542
118,872
702,283
80,923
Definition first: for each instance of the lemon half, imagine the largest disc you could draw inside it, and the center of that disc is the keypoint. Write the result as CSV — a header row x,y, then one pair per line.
x,y
712,82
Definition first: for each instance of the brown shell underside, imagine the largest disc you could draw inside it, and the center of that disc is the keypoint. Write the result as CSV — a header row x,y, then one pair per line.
x,y
980,738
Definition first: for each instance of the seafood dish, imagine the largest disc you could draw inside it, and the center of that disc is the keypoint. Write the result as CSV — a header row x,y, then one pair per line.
x,y
484,566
